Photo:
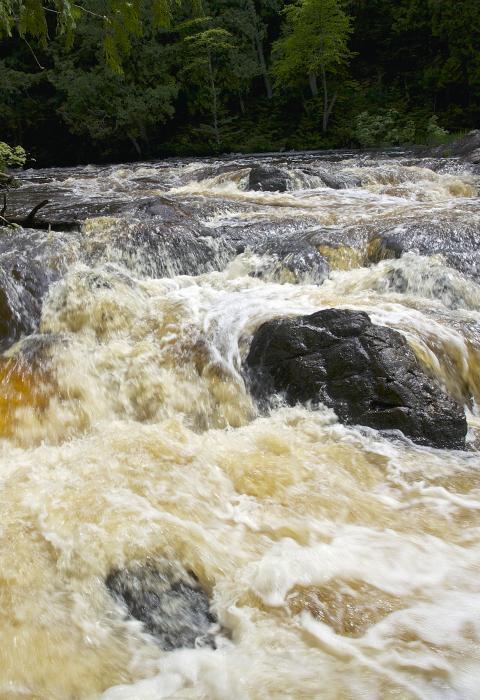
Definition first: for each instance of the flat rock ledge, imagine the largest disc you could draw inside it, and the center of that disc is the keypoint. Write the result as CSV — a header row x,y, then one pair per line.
x,y
367,374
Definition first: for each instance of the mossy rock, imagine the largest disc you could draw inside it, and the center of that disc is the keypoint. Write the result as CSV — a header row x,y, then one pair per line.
x,y
341,257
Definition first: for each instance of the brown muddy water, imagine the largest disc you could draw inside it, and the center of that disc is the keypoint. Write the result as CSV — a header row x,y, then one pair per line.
x,y
341,563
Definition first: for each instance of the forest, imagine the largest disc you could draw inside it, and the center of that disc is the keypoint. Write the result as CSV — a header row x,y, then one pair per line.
x,y
111,80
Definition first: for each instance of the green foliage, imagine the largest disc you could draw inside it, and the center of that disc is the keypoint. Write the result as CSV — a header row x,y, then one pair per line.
x,y
315,39
116,79
435,132
454,29
314,43
107,107
387,128
207,61
11,156
121,20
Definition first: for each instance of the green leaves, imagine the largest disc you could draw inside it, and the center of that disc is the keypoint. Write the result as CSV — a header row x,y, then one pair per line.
x,y
11,157
111,108
386,128
213,39
315,38
121,20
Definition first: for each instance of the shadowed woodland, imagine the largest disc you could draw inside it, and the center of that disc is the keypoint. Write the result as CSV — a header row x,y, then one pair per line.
x,y
105,81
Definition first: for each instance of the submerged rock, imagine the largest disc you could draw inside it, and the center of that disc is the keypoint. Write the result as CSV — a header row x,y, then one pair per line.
x,y
429,281
293,261
160,249
267,178
169,601
27,384
288,254
367,374
30,261
22,287
167,210
341,257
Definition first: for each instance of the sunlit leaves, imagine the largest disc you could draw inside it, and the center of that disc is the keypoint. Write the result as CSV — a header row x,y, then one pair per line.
x,y
121,21
315,38
11,156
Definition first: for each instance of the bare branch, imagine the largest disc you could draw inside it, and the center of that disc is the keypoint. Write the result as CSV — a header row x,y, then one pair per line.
x,y
89,12
34,54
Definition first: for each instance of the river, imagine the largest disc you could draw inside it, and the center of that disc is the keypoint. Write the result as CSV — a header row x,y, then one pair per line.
x,y
342,563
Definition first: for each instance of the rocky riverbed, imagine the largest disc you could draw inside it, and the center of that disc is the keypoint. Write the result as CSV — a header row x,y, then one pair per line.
x,y
239,430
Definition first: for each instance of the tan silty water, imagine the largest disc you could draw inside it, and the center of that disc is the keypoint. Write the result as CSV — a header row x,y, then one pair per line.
x,y
342,564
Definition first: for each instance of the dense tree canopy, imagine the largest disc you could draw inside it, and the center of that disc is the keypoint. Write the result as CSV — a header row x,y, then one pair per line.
x,y
119,79
120,19
314,42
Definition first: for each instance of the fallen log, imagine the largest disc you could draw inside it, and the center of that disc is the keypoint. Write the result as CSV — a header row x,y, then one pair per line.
x,y
31,221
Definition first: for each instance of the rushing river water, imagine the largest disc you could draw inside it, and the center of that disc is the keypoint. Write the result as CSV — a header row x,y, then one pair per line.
x,y
341,563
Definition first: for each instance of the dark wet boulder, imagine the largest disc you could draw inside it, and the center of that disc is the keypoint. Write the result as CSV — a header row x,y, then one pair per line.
x,y
169,601
366,373
29,262
268,178
456,241
334,179
23,284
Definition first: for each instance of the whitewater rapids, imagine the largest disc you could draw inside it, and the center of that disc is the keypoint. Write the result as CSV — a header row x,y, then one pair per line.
x,y
341,563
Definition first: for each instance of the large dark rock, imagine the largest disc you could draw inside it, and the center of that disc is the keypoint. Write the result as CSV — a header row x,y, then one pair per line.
x,y
27,267
455,240
368,374
268,179
169,601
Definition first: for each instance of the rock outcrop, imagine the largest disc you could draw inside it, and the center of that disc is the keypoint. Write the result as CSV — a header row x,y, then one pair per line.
x,y
366,373
467,147
267,178
334,179
456,242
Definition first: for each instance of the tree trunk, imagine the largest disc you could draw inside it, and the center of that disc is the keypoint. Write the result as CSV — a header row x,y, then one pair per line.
x,y
213,90
328,105
312,79
135,144
259,48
